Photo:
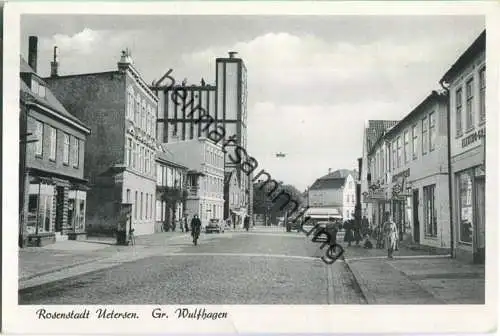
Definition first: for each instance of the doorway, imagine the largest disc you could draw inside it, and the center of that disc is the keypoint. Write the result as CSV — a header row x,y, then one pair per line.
x,y
479,234
59,209
416,222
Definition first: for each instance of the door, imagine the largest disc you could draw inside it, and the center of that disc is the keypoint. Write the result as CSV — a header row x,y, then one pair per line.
x,y
479,211
59,209
416,222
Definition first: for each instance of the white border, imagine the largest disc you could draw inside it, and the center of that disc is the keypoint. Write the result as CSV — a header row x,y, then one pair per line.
x,y
269,319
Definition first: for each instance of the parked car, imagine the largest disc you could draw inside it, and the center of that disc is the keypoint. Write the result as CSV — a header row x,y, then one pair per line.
x,y
214,225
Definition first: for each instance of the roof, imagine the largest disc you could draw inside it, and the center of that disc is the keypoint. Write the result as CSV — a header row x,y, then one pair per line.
x,y
330,183
434,96
340,173
50,101
474,49
375,129
168,158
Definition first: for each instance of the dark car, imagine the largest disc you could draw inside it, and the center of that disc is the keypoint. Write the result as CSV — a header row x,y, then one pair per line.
x,y
214,225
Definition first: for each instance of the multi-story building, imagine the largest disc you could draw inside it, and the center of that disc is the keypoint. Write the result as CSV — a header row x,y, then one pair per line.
x,y
372,131
120,109
180,107
52,188
466,82
205,178
335,190
171,193
409,168
232,200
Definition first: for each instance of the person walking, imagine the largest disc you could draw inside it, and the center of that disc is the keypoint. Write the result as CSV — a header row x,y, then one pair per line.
x,y
195,229
246,222
356,231
348,237
391,235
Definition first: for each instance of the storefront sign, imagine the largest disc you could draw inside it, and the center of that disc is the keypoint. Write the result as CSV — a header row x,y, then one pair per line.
x,y
404,173
473,137
374,196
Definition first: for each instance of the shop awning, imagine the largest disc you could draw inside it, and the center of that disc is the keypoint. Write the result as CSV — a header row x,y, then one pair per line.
x,y
323,213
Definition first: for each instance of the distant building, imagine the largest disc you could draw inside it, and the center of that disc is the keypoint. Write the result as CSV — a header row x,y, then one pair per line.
x,y
171,192
467,98
205,178
52,191
335,190
372,132
120,109
232,198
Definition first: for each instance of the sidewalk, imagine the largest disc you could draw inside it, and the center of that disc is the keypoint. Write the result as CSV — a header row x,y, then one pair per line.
x,y
36,262
415,278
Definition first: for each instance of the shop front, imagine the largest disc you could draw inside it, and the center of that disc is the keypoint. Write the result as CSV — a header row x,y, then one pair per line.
x,y
54,208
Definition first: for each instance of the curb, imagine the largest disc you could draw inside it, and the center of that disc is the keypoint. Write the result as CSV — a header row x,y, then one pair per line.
x,y
369,298
57,269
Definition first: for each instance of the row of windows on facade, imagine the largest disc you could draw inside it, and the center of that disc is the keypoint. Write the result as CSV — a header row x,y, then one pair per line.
x,y
71,144
169,177
142,114
139,157
213,184
142,205
384,161
209,211
470,114
213,158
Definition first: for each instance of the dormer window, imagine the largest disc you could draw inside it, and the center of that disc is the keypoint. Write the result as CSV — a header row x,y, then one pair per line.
x,y
37,88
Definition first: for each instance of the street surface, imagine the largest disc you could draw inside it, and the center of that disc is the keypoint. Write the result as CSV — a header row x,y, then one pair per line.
x,y
257,267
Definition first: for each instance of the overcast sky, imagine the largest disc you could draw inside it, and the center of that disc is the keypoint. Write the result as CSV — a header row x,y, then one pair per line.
x,y
312,80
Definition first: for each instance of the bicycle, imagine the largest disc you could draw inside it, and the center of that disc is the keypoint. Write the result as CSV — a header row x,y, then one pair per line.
x,y
196,235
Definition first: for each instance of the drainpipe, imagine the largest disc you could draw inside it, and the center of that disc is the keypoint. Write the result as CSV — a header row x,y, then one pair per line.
x,y
450,176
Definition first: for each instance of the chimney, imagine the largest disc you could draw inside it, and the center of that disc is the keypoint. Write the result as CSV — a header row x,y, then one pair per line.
x,y
33,52
232,53
54,65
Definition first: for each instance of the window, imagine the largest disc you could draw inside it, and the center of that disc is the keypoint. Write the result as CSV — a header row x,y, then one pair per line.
x,y
141,155
130,104
146,162
458,112
424,136
159,176
399,151
41,91
39,137
134,154
143,115
407,146
137,115
469,113
128,153
75,152
158,210
53,143
432,131
128,196
394,158
34,86
430,212
66,149
465,207
147,206
135,205
140,210
482,95
415,141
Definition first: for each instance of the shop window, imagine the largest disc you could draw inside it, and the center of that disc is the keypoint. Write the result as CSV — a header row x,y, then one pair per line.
x,y
76,210
465,207
430,212
40,208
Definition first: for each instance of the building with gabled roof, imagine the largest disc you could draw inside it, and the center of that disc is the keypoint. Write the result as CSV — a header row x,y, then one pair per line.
x,y
53,190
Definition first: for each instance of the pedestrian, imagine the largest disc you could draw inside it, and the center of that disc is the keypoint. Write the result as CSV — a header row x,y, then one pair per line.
x,y
356,231
391,235
186,226
365,225
195,228
348,237
246,222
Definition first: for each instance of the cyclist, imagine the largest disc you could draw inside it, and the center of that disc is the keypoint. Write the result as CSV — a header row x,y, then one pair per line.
x,y
195,229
